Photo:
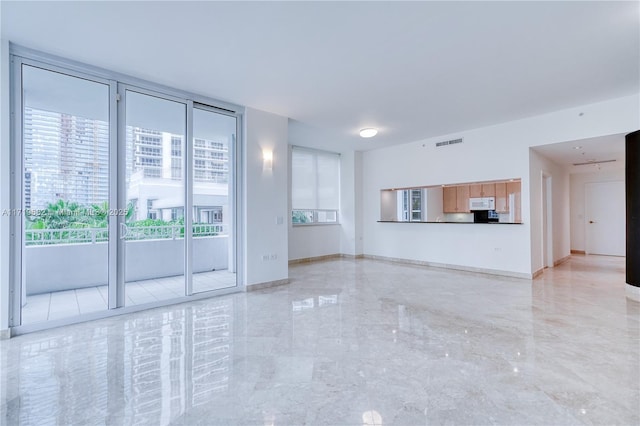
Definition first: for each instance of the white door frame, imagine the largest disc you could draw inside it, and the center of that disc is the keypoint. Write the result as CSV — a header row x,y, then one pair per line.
x,y
546,185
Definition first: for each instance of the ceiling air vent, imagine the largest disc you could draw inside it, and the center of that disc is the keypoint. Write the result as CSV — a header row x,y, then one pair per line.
x,y
451,142
593,162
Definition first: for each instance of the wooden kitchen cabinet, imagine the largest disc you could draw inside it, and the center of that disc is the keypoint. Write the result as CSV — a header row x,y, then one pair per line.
x,y
449,199
475,190
478,190
462,198
455,199
488,190
502,201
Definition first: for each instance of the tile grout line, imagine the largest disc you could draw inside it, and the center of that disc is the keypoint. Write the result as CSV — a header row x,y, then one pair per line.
x,y
49,307
75,293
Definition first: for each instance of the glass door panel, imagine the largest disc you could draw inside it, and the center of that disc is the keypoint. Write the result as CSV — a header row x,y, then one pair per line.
x,y
213,212
153,229
65,195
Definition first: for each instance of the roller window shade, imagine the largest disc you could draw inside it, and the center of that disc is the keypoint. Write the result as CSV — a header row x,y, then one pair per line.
x,y
315,180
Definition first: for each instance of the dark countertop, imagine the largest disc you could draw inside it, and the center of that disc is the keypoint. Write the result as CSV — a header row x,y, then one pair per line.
x,y
465,223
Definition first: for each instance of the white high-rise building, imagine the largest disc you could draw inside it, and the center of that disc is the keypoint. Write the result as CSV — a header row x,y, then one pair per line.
x,y
67,158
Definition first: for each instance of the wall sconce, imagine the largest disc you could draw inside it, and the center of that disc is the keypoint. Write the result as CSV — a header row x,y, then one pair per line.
x,y
267,159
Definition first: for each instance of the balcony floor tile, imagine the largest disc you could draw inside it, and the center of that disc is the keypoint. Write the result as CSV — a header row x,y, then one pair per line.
x,y
62,304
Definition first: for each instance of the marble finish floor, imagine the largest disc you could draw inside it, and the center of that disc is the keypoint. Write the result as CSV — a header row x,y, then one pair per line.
x,y
69,303
348,342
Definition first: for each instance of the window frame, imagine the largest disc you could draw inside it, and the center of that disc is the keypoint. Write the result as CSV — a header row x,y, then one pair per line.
x,y
314,217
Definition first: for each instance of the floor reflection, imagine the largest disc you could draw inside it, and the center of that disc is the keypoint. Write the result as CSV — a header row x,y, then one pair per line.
x,y
150,369
347,342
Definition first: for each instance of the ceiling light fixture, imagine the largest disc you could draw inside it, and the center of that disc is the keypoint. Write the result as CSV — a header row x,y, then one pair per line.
x,y
368,133
577,147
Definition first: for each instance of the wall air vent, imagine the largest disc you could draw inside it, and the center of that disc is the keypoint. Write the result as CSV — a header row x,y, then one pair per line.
x,y
451,142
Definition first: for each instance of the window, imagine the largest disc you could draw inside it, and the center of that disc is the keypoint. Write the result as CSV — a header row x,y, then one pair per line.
x,y
315,186
410,205
416,205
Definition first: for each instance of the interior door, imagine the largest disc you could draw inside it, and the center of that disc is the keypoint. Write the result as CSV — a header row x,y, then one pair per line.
x,y
605,218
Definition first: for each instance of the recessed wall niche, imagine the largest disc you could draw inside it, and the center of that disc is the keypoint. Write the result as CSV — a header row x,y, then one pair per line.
x,y
473,202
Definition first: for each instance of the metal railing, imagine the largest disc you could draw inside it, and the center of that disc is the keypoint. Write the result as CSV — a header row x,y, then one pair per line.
x,y
133,233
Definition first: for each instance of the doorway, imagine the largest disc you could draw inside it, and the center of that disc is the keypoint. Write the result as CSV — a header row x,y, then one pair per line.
x,y
605,218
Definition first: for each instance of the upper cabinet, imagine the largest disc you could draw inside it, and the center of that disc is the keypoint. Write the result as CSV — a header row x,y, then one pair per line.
x,y
455,199
475,190
478,190
449,199
488,189
462,192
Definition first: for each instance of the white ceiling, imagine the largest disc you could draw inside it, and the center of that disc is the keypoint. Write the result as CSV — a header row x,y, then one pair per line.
x,y
412,69
590,150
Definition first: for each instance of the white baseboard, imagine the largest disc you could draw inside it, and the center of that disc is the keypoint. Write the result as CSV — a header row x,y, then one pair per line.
x,y
451,266
537,273
314,259
325,257
267,284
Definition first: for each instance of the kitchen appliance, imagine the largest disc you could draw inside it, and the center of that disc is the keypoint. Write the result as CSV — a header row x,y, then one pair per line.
x,y
483,203
480,216
485,216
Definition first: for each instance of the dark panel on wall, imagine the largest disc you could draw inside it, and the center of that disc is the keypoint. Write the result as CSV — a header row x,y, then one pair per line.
x,y
632,178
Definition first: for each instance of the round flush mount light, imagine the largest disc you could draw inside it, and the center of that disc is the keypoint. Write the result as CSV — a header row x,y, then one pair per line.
x,y
577,147
368,133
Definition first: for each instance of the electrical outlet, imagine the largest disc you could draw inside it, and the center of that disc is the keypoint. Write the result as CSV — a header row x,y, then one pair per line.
x,y
274,256
265,257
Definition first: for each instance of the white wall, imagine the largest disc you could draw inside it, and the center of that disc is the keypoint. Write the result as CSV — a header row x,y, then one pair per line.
x,y
490,153
578,182
560,217
351,203
4,186
265,195
497,247
314,240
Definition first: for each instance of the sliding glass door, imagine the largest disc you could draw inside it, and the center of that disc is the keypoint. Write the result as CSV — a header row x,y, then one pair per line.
x,y
153,228
63,212
213,207
123,196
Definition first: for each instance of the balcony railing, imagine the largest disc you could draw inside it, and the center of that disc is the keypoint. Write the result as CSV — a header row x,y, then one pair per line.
x,y
133,233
